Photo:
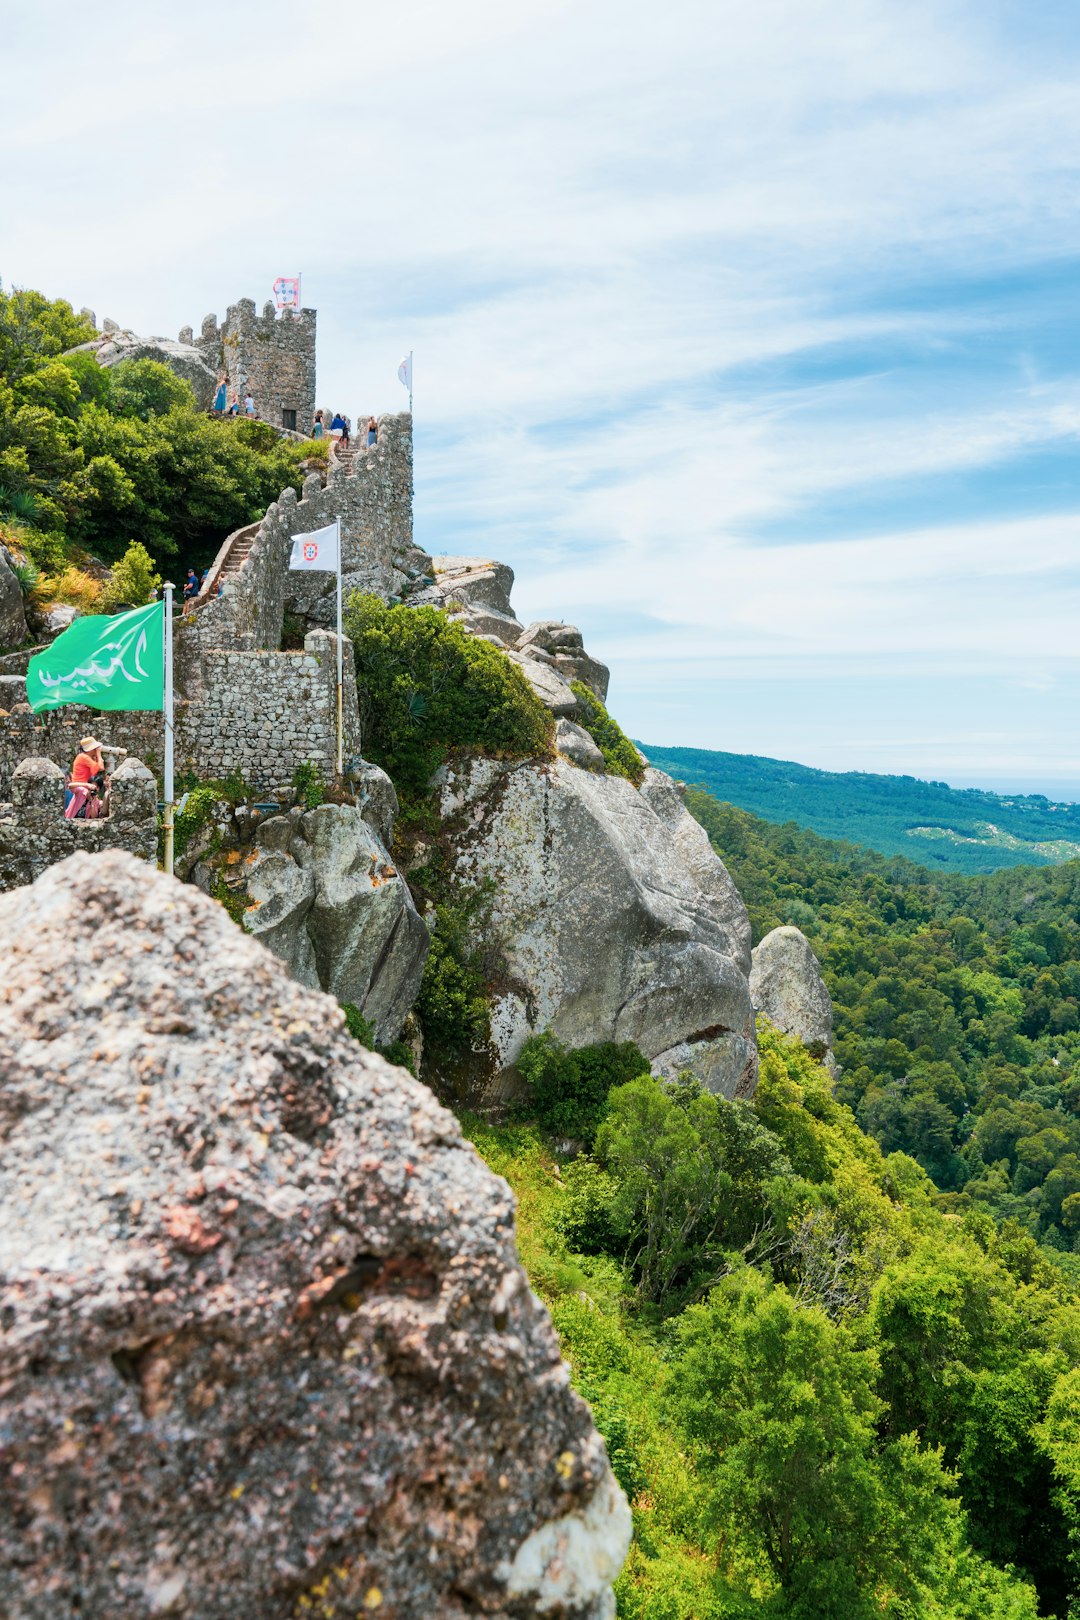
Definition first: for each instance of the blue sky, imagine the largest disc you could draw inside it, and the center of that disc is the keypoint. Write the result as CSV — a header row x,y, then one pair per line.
x,y
748,335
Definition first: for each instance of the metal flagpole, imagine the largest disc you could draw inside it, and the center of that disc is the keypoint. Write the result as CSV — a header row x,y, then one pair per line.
x,y
170,790
340,740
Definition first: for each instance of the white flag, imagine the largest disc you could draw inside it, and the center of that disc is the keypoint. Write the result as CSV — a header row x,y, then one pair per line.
x,y
404,371
319,549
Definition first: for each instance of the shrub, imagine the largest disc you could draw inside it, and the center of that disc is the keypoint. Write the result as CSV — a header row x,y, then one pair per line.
x,y
570,1087
452,1004
361,1029
72,586
21,504
28,575
145,388
620,755
134,580
428,686
308,783
199,806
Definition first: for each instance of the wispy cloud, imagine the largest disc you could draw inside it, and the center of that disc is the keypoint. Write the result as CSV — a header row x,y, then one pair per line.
x,y
727,318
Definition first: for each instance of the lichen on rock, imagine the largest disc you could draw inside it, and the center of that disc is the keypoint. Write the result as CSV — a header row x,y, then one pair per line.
x,y
266,1334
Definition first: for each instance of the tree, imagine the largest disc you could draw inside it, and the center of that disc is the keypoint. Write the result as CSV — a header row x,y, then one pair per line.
x,y
782,1411
134,580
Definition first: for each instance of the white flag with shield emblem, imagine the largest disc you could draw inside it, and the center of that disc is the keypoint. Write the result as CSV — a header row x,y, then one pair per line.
x,y
317,550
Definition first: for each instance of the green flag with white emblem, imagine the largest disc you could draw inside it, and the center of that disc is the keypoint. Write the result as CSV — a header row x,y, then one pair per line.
x,y
107,662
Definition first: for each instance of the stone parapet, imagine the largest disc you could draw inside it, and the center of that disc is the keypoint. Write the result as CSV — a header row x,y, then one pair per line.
x,y
34,833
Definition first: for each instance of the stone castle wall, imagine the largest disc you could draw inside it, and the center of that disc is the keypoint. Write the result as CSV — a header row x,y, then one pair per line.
x,y
374,502
55,735
34,833
259,713
272,355
263,713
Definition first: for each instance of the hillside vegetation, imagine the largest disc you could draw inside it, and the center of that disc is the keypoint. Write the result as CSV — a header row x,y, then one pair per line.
x,y
826,1399
92,460
957,1009
952,829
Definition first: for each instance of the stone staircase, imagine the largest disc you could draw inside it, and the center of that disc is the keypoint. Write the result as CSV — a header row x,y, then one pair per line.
x,y
229,560
345,459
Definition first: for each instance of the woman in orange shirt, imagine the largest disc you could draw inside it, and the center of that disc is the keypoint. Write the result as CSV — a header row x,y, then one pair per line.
x,y
86,783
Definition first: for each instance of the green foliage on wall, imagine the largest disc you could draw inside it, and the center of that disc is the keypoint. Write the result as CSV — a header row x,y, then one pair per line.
x,y
308,785
426,686
620,755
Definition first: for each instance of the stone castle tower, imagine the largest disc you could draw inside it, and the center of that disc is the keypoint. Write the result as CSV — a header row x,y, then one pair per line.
x,y
270,355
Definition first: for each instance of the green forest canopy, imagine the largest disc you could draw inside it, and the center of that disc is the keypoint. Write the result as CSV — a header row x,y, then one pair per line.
x,y
956,1004
956,829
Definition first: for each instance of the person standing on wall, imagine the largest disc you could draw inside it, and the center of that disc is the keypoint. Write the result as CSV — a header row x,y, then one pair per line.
x,y
372,431
218,406
344,432
249,404
337,425
317,428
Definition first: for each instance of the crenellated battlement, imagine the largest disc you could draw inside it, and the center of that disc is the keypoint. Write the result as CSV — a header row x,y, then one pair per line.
x,y
270,355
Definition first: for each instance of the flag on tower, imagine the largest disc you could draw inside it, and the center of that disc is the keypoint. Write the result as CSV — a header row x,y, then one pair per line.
x,y
317,550
287,292
404,372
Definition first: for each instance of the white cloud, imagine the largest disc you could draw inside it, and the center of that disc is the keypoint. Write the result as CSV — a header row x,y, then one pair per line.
x,y
620,238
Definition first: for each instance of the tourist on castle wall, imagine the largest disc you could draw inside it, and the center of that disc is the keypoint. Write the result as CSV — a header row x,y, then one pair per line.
x,y
337,425
317,429
249,405
344,432
219,396
86,796
234,408
372,431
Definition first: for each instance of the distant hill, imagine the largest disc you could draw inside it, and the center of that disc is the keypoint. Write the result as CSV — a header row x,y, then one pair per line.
x,y
958,829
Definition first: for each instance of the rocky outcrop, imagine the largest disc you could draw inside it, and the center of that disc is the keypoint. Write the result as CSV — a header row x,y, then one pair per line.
x,y
326,897
476,592
786,985
610,921
267,1344
117,344
13,631
576,745
563,644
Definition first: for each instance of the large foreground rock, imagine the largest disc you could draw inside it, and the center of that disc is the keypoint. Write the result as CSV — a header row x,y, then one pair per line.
x,y
265,1334
786,985
611,921
326,897
13,631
